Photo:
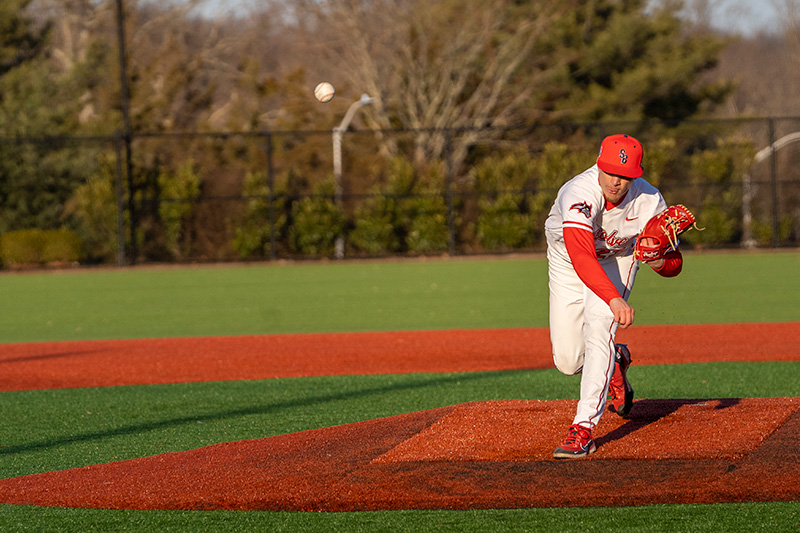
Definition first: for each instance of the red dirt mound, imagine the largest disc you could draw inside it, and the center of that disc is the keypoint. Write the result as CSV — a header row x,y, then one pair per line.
x,y
477,455
480,455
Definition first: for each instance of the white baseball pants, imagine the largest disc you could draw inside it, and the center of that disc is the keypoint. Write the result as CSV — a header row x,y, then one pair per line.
x,y
582,327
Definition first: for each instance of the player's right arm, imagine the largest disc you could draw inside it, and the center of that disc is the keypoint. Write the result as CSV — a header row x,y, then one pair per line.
x,y
581,249
623,312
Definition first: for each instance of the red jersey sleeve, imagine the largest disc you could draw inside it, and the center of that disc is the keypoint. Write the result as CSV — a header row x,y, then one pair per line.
x,y
673,264
581,250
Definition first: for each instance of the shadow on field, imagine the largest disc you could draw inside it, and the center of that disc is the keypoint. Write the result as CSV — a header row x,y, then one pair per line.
x,y
651,411
423,381
49,356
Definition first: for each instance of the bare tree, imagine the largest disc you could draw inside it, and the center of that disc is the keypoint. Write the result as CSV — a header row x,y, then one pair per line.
x,y
431,65
766,67
701,12
789,17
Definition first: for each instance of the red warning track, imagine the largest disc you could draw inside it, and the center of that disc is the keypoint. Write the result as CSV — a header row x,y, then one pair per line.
x,y
469,456
176,360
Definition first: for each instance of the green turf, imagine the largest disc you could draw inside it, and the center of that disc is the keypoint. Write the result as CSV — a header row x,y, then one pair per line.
x,y
274,298
53,429
728,518
372,296
78,427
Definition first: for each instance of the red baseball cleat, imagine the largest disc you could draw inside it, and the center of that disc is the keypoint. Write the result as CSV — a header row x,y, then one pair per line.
x,y
620,388
579,443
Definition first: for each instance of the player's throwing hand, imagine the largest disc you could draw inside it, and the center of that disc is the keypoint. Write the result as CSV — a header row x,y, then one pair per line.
x,y
623,312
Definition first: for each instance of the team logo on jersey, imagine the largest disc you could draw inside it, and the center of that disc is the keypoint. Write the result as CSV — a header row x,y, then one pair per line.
x,y
613,242
623,157
583,208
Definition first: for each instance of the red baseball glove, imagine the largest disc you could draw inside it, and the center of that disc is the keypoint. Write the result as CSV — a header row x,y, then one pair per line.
x,y
660,234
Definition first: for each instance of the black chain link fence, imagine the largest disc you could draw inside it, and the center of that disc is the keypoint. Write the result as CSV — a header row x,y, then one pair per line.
x,y
199,197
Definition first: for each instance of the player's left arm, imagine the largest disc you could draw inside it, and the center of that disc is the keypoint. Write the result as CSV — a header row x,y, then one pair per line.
x,y
668,266
657,243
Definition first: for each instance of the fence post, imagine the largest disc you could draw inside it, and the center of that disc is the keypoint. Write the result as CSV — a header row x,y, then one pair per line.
x,y
126,119
121,260
271,197
449,193
773,170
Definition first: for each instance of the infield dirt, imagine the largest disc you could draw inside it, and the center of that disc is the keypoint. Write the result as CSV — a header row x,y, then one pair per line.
x,y
474,455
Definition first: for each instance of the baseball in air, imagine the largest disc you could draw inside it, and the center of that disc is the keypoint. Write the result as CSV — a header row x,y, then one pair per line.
x,y
324,92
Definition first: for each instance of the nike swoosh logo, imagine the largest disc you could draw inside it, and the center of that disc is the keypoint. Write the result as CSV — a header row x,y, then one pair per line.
x,y
630,219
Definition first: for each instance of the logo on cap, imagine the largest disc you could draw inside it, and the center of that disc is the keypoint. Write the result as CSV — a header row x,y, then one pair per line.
x,y
628,161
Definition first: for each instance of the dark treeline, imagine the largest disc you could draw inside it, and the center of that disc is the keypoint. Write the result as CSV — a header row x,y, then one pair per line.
x,y
523,88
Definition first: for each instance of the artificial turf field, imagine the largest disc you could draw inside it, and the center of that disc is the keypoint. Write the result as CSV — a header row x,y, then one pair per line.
x,y
56,429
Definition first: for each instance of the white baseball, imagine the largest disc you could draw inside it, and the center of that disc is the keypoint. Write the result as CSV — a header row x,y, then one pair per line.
x,y
324,92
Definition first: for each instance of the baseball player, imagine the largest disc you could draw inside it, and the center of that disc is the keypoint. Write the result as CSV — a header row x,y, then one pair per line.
x,y
591,231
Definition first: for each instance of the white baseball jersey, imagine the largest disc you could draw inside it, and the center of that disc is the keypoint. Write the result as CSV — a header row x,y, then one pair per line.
x,y
580,204
582,327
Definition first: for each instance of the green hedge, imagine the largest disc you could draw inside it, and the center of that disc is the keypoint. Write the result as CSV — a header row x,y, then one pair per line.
x,y
317,222
40,247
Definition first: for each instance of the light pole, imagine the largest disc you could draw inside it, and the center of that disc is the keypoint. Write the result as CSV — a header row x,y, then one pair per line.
x,y
747,188
338,132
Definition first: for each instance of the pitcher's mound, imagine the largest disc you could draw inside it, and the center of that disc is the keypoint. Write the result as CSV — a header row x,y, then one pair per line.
x,y
469,456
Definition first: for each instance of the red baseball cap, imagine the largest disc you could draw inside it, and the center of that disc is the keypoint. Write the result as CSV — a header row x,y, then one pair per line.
x,y
621,155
